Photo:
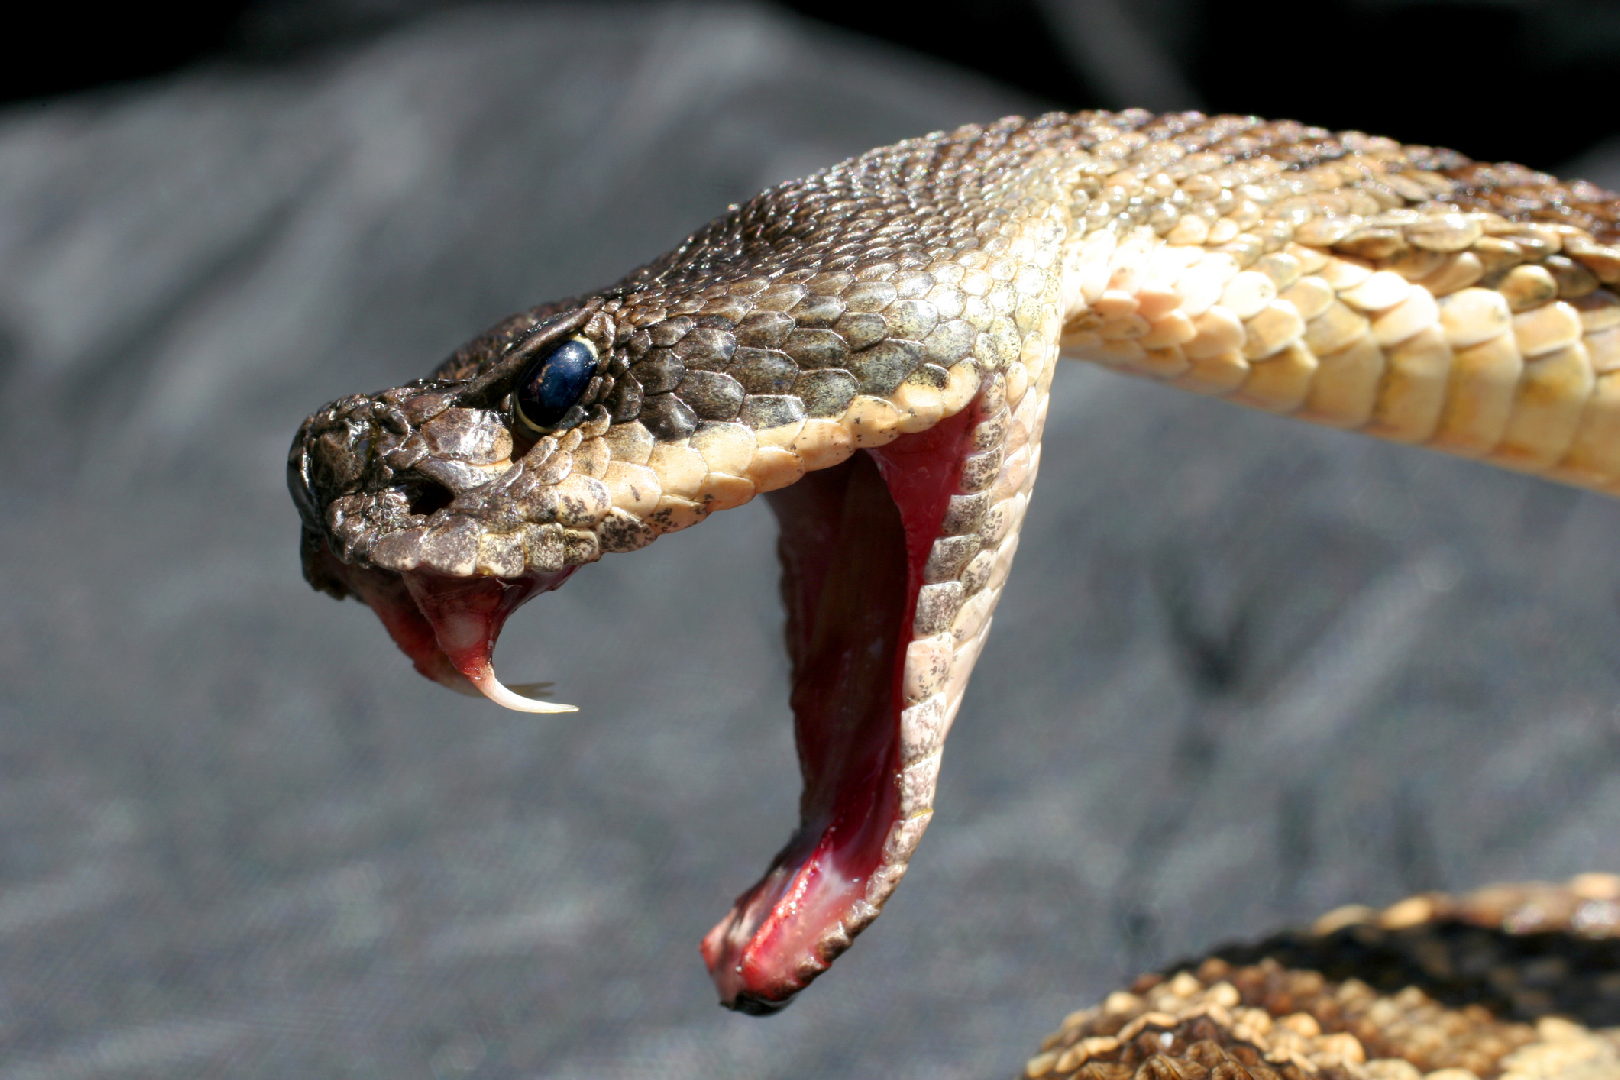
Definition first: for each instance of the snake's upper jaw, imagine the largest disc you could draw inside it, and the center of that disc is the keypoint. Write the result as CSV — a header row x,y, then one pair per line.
x,y
466,616
875,554
447,626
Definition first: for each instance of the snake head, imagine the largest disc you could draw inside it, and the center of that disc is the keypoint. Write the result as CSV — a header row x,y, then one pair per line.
x,y
446,503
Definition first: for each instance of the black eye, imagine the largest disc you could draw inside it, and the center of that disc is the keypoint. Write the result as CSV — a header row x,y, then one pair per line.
x,y
552,384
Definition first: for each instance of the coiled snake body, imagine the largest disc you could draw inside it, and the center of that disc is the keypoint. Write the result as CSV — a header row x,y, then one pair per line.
x,y
873,347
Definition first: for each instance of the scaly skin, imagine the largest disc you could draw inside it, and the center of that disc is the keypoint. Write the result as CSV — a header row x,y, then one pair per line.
x,y
1518,981
886,332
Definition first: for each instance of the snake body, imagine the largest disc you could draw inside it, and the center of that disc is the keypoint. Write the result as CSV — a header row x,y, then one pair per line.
x,y
873,346
1520,982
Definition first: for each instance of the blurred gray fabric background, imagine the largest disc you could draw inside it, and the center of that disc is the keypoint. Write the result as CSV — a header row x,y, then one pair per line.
x,y
1245,671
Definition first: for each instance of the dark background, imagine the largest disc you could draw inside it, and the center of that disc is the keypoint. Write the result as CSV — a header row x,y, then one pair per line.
x,y
1504,79
1245,671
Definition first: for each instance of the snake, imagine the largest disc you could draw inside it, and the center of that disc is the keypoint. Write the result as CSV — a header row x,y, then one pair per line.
x,y
872,349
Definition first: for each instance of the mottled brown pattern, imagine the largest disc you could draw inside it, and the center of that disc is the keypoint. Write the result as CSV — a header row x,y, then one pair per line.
x,y
1521,194
1519,981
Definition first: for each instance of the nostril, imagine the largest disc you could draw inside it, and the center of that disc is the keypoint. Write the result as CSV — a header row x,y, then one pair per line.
x,y
427,496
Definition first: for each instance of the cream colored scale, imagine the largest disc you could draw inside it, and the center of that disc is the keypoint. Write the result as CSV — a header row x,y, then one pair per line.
x,y
1476,337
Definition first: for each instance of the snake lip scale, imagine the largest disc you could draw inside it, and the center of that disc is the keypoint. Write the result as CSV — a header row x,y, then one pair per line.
x,y
872,348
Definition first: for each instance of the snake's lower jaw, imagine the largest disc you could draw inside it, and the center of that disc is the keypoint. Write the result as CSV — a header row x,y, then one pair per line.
x,y
448,626
856,551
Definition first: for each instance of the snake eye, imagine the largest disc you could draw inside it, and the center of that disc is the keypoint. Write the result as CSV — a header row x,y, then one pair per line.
x,y
552,384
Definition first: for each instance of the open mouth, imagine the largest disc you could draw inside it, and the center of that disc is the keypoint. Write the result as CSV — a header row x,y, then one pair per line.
x,y
868,695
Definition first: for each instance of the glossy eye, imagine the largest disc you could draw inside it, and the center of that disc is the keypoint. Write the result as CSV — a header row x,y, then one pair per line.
x,y
553,383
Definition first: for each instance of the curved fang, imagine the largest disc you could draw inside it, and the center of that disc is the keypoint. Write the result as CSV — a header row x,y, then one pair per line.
x,y
483,677
465,616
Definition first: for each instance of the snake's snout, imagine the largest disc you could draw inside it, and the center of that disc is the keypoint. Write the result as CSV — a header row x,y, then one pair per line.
x,y
422,503
397,498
